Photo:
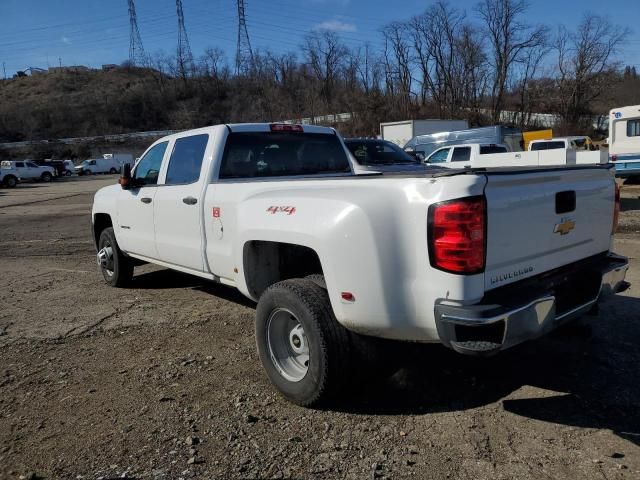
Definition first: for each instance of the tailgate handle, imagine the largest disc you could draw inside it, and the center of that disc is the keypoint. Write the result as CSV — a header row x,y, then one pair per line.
x,y
565,201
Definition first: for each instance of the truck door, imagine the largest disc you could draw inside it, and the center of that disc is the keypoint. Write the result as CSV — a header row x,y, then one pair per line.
x,y
135,231
178,205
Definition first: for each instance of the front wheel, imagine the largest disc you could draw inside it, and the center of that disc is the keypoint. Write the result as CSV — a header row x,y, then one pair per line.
x,y
116,268
112,171
67,173
302,347
10,181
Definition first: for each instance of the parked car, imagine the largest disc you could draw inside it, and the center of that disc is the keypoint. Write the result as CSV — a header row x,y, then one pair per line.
x,y
462,155
476,259
9,176
379,155
28,170
69,167
97,165
423,145
57,165
553,144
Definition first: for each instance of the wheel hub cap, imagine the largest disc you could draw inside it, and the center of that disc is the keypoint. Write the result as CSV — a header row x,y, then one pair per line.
x,y
105,259
288,346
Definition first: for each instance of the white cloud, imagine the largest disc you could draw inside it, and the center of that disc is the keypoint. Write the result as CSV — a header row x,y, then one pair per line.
x,y
336,26
65,40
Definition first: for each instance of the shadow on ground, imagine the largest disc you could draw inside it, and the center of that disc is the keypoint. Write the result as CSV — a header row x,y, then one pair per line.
x,y
593,364
627,204
164,279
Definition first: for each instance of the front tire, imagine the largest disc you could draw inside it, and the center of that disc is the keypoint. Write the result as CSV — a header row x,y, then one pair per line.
x,y
302,347
116,268
10,181
112,171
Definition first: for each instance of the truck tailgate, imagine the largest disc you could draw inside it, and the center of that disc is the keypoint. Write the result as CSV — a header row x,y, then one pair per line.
x,y
541,220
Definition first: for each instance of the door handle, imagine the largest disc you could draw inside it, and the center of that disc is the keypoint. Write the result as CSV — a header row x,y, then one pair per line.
x,y
145,200
190,200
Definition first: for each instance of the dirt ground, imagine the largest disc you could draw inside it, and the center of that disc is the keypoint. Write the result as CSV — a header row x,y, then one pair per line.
x,y
163,381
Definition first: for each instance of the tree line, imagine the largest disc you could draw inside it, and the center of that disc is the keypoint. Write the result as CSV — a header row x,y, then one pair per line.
x,y
442,63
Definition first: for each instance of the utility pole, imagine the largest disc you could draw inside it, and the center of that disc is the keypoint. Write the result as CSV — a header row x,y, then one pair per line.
x,y
244,54
4,70
60,62
185,58
137,58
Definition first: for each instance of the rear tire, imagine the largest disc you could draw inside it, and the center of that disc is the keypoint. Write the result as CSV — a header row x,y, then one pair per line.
x,y
67,173
294,316
45,177
116,268
112,171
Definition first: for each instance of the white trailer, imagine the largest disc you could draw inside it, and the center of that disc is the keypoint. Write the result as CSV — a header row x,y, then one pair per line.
x,y
401,132
624,140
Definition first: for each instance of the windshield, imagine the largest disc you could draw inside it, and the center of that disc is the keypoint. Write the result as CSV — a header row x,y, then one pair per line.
x,y
378,152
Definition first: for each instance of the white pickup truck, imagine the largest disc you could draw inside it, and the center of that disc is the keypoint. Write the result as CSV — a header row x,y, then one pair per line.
x,y
477,259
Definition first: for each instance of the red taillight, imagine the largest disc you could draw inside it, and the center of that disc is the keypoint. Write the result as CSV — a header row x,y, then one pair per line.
x,y
285,127
616,209
457,235
614,158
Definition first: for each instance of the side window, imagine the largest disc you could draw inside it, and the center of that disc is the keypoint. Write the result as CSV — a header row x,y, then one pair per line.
x,y
186,159
439,156
92,162
20,164
633,128
148,167
31,165
461,154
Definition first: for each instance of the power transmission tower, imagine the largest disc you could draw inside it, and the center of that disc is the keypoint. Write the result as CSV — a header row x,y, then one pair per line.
x,y
244,55
185,58
136,50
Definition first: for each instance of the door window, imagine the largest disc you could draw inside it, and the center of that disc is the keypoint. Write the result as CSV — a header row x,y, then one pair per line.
x,y
19,164
31,165
186,159
439,156
461,154
148,167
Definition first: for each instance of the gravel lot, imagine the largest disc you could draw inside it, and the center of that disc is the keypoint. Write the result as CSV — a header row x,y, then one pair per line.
x,y
163,381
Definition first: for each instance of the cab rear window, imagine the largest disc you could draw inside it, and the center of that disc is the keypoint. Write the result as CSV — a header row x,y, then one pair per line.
x,y
282,154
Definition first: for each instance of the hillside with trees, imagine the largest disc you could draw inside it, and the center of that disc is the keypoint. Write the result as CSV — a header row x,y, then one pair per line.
x,y
442,63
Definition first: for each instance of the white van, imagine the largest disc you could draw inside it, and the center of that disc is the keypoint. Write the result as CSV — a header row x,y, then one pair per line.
x,y
624,140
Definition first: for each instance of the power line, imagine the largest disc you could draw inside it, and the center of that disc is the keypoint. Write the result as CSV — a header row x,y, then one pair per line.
x,y
137,56
244,54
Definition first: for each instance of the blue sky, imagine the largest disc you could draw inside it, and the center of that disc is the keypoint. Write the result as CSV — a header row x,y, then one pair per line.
x,y
38,33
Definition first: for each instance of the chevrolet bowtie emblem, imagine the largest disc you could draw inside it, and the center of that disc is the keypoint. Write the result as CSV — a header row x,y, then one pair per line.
x,y
564,227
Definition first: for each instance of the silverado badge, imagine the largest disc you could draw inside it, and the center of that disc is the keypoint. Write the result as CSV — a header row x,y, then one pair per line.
x,y
564,227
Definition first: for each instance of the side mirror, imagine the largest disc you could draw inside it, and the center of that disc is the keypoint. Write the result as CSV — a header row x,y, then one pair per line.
x,y
125,179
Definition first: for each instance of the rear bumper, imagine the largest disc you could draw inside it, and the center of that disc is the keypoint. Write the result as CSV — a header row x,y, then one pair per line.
x,y
627,168
508,316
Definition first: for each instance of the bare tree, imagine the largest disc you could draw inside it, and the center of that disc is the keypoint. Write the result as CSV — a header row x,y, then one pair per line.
x,y
325,54
397,64
585,57
509,39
